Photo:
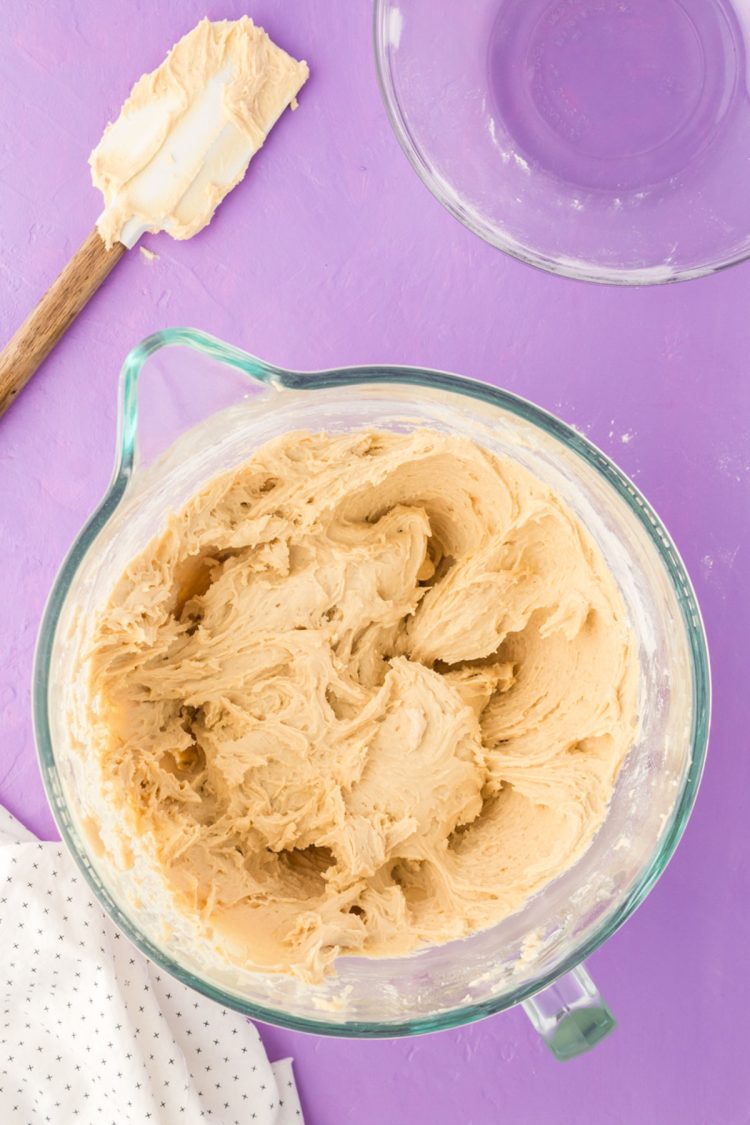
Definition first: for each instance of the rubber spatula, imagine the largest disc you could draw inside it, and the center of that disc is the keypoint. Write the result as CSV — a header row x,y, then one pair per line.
x,y
183,140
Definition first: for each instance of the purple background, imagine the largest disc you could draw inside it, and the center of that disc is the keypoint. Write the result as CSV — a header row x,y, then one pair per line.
x,y
333,253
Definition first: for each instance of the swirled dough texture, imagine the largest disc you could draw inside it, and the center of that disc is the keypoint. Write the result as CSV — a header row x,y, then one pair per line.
x,y
366,692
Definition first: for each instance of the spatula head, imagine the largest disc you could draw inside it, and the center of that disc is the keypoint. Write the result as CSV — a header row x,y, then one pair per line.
x,y
188,130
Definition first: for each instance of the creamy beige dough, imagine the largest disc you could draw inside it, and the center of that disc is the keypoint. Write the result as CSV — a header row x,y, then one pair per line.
x,y
366,692
188,130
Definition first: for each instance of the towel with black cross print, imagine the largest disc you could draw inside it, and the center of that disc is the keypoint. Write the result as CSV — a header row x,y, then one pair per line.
x,y
92,1033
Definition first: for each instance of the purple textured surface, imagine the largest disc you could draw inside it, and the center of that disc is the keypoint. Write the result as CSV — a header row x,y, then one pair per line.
x,y
333,253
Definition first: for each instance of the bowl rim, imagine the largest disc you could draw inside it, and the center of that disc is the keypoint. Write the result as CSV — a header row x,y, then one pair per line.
x,y
260,371
443,191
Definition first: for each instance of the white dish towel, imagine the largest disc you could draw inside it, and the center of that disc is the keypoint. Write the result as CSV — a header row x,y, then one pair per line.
x,y
91,1033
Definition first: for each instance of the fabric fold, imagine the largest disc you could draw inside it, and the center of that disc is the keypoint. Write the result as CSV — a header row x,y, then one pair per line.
x,y
93,1032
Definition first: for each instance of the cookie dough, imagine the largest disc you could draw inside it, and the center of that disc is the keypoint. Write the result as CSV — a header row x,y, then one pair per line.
x,y
188,130
367,691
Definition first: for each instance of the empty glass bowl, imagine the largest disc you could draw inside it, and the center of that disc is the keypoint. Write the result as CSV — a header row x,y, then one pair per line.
x,y
607,140
192,407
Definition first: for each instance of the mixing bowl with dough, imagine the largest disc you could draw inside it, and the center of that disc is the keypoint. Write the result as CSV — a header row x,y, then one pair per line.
x,y
198,413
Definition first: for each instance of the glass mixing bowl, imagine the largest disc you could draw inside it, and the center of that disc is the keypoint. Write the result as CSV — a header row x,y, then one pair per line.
x,y
202,407
607,140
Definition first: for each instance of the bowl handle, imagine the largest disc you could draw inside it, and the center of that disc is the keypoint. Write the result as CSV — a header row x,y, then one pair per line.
x,y
570,1015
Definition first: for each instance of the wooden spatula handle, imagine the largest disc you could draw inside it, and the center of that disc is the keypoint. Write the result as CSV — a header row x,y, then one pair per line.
x,y
54,314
